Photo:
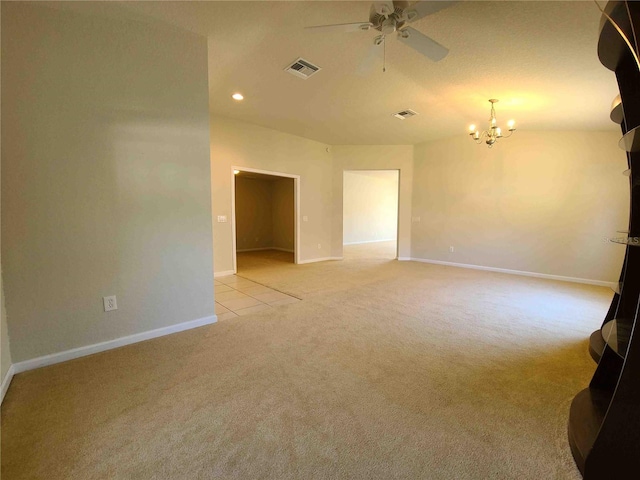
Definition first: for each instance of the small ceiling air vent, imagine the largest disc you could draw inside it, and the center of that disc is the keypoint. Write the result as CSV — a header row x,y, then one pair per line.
x,y
405,114
302,68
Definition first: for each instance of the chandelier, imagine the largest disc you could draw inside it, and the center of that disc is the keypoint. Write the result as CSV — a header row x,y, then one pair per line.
x,y
494,132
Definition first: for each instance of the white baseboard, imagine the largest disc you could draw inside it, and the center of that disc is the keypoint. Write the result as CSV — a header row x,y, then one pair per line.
x,y
404,259
6,381
324,259
223,274
370,241
561,278
261,249
109,345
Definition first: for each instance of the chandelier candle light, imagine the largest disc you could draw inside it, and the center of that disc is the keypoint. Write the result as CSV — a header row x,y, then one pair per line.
x,y
494,132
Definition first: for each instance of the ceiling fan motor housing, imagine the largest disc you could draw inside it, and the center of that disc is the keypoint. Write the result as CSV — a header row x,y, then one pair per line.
x,y
388,23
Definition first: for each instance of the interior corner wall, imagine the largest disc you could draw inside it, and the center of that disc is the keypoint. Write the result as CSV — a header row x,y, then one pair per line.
x,y
283,223
374,157
254,213
236,143
542,202
105,178
370,206
5,352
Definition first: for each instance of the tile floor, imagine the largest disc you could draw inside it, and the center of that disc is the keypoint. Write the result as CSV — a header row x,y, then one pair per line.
x,y
237,296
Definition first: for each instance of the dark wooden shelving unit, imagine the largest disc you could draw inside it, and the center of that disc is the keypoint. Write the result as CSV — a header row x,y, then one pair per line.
x,y
630,141
596,341
589,408
596,345
617,114
617,334
604,420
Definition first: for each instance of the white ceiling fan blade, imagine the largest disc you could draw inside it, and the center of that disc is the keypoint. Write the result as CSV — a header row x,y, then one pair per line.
x,y
422,9
341,27
371,58
422,44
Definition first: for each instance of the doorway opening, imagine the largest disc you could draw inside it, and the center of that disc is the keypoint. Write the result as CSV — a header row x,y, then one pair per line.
x,y
370,213
264,218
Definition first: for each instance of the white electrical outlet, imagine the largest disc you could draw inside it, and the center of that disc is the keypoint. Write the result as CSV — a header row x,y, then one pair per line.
x,y
222,219
319,246
451,249
110,303
305,218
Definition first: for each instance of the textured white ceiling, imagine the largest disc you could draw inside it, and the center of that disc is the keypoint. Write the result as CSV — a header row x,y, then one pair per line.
x,y
538,58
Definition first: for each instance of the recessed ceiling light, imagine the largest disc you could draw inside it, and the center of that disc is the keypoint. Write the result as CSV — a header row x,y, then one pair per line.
x,y
237,96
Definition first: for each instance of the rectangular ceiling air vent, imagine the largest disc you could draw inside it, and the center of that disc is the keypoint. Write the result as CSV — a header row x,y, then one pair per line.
x,y
405,114
302,68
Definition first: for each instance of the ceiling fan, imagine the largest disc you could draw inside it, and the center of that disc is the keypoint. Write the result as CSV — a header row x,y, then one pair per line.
x,y
394,17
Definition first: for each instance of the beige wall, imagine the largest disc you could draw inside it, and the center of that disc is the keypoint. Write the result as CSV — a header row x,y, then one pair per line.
x,y
374,157
283,217
370,206
235,143
538,202
105,178
5,347
254,213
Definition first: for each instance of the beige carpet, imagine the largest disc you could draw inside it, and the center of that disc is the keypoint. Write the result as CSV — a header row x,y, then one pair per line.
x,y
385,370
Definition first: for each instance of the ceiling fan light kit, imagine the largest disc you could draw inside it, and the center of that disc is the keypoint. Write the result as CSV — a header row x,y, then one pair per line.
x,y
393,17
494,132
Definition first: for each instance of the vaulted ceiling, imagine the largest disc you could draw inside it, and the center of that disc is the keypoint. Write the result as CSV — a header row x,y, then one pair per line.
x,y
538,58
